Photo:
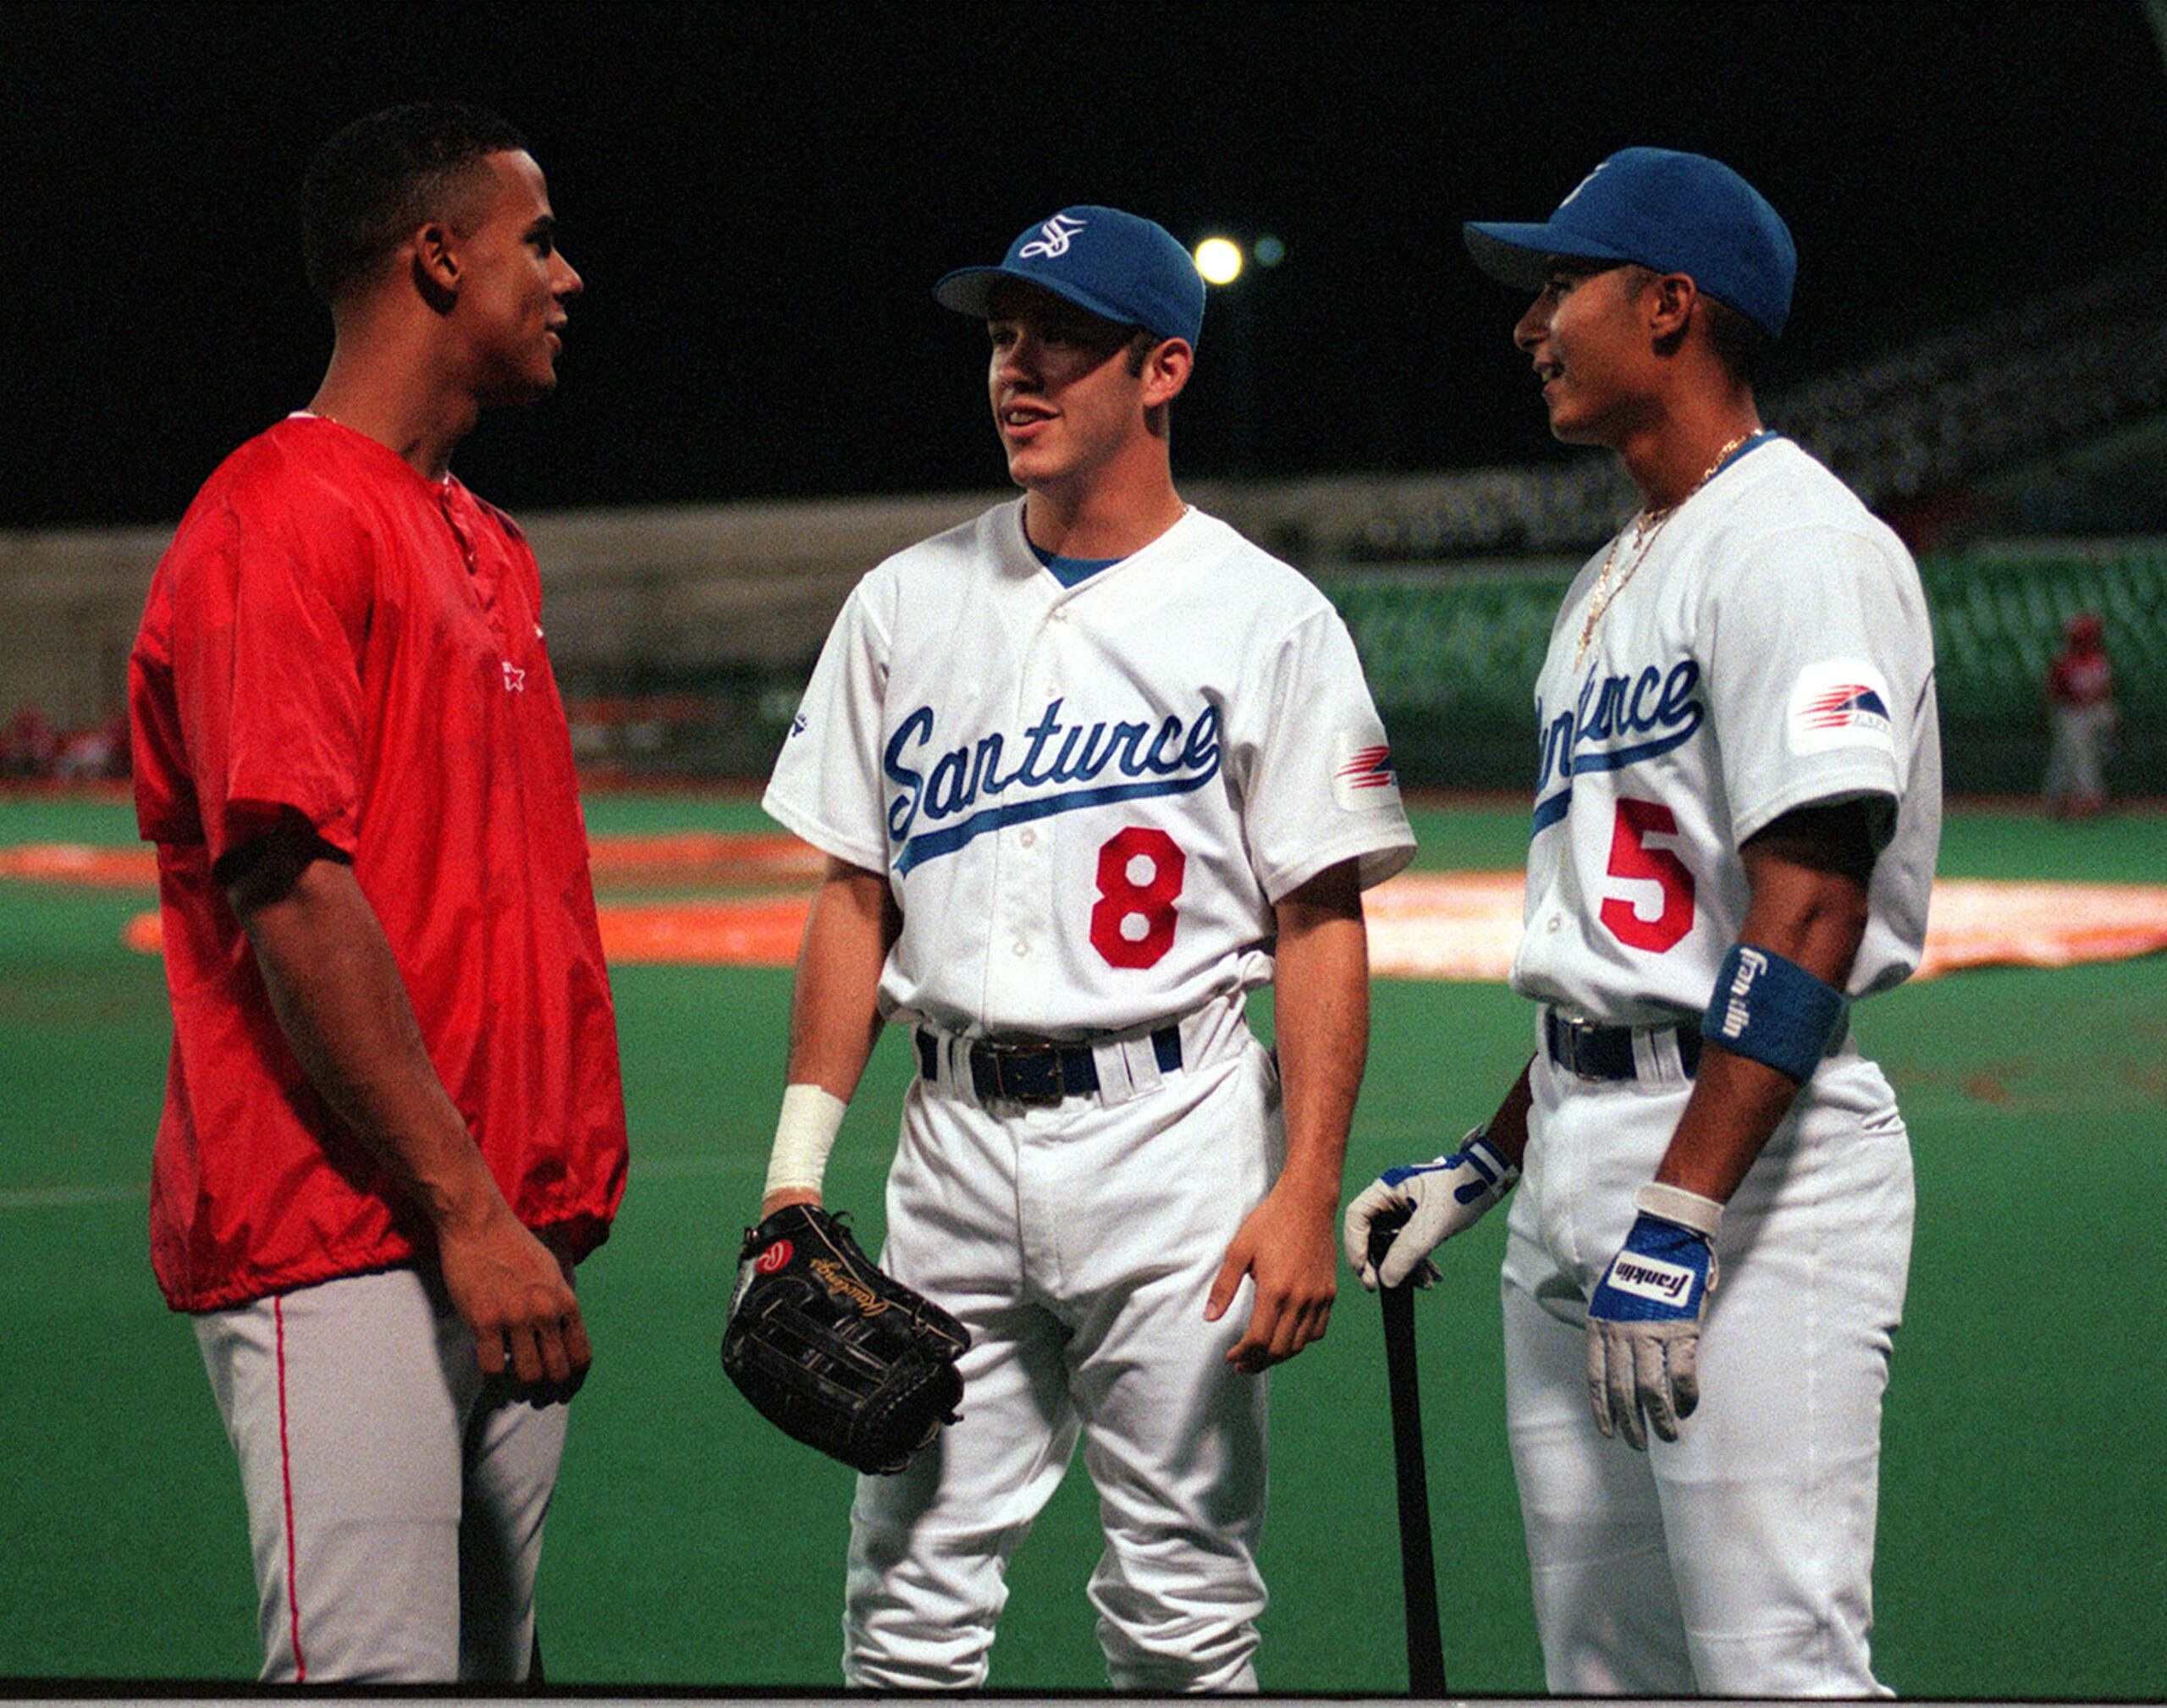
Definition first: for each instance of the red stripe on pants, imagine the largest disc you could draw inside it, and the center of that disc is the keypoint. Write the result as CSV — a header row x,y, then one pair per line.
x,y
286,1473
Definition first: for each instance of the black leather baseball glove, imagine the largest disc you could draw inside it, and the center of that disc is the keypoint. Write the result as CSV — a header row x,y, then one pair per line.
x,y
833,1352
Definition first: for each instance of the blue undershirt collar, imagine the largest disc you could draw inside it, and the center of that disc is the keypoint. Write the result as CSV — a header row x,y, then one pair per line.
x,y
1068,572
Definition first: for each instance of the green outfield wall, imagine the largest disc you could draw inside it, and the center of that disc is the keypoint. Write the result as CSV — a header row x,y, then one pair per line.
x,y
1453,652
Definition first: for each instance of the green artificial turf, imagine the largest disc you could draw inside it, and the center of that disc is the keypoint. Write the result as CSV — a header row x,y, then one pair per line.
x,y
2024,1526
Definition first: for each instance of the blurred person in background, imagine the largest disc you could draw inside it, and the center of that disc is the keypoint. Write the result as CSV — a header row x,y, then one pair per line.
x,y
28,744
2081,713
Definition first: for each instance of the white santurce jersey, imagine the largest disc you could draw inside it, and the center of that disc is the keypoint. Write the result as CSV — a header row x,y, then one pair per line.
x,y
1088,799
1772,650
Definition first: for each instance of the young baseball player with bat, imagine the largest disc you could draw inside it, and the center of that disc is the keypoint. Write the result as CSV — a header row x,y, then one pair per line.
x,y
393,1123
1737,803
1087,771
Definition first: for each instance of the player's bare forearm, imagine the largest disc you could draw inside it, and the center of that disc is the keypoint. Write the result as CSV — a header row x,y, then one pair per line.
x,y
1507,1130
1320,1002
1807,876
834,1015
335,989
1288,1244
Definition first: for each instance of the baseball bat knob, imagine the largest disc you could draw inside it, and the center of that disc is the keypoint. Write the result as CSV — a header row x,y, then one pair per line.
x,y
1384,1229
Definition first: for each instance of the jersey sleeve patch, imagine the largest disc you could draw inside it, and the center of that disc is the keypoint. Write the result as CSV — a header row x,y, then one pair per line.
x,y
1364,777
1840,702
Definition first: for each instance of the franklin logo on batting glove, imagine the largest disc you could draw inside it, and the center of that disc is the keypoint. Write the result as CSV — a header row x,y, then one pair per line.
x,y
1666,1283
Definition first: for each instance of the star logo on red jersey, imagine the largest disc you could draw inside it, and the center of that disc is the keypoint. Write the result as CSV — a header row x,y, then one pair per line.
x,y
514,678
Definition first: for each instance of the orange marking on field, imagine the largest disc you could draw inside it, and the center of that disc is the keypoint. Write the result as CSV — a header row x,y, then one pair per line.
x,y
694,854
79,863
1467,925
1977,922
1445,924
752,933
1460,925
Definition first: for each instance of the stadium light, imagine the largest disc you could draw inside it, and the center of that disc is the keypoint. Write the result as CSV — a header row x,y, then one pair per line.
x,y
1219,259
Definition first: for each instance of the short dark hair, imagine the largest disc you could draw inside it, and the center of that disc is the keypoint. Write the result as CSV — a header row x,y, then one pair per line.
x,y
382,175
1738,342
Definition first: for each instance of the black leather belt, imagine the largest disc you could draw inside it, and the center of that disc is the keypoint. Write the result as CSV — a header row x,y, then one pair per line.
x,y
1037,1070
1606,1052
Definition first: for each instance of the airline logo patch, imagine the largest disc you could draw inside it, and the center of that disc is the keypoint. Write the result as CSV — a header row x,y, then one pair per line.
x,y
1364,777
1840,702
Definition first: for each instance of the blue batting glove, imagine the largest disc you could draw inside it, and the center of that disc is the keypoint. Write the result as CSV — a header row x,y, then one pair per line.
x,y
1437,1199
1644,1323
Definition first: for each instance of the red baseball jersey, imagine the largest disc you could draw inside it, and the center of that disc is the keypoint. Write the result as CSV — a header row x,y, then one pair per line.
x,y
332,633
2080,678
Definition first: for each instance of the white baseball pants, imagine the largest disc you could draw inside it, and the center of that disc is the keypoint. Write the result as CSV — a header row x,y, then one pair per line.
x,y
2075,768
1077,1244
1737,1561
394,1509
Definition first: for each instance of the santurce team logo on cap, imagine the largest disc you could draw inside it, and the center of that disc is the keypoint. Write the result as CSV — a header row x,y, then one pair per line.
x,y
1054,238
1840,702
1581,185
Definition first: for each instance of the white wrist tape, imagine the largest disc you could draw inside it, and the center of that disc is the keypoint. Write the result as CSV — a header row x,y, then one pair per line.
x,y
1704,1216
805,1132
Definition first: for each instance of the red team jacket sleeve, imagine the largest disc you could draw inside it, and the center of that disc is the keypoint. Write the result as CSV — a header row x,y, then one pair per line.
x,y
268,624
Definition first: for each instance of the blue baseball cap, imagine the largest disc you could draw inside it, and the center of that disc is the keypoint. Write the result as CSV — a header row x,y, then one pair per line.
x,y
1671,211
1118,266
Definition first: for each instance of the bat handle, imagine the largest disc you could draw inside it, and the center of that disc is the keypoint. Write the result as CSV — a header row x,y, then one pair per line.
x,y
1425,1653
1384,1229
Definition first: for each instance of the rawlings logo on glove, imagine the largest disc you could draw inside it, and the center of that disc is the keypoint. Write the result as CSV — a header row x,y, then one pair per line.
x,y
833,1352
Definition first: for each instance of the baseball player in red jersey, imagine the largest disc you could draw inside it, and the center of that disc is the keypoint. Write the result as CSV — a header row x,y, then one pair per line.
x,y
1737,807
1087,771
393,1119
2081,712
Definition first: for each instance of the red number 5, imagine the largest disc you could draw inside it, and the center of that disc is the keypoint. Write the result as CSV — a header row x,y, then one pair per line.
x,y
1140,875
1631,858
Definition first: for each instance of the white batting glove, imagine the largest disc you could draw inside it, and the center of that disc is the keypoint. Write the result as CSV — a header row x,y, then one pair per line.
x,y
1436,1198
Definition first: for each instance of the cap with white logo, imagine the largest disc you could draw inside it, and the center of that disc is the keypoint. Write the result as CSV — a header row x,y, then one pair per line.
x,y
1118,266
1670,212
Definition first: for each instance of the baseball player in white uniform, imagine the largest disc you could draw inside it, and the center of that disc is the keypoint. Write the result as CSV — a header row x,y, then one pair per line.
x,y
1736,813
1085,769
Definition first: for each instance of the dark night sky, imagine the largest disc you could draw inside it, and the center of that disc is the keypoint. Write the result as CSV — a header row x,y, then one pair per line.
x,y
760,196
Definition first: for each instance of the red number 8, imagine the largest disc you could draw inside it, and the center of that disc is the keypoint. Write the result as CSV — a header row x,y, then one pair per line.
x,y
1122,898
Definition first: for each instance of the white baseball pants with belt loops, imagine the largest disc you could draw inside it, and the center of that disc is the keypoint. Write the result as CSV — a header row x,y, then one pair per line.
x,y
1078,1243
1737,1560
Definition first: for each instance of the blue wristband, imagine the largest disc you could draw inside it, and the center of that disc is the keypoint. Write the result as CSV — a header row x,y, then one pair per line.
x,y
1772,1009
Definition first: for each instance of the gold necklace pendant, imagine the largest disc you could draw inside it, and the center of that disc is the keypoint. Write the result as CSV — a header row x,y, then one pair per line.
x,y
1645,527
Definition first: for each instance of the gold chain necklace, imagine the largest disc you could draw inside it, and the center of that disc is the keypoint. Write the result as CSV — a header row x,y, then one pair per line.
x,y
1645,526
